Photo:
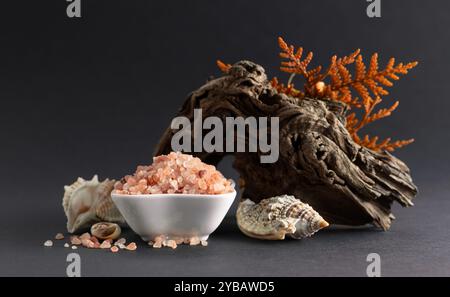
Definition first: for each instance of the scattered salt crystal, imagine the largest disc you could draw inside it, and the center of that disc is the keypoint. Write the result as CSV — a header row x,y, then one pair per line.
x,y
171,243
59,236
160,238
66,245
48,243
114,249
74,247
85,236
178,240
194,240
75,240
121,241
88,243
105,245
131,246
94,239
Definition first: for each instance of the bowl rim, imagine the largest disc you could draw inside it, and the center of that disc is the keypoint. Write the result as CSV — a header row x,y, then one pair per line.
x,y
173,196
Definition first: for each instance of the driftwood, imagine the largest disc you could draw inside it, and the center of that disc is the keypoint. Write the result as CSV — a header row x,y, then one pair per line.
x,y
319,162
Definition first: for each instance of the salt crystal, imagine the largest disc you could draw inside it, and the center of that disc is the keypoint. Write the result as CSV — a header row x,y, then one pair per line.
x,y
75,240
48,243
175,173
88,243
66,245
171,243
59,236
159,238
131,246
114,249
74,247
105,245
194,240
121,241
85,236
204,243
178,240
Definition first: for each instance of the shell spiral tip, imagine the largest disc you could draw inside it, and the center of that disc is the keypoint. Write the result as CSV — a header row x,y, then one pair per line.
x,y
323,224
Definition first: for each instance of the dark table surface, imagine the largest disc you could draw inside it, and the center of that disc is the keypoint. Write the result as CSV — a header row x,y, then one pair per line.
x,y
94,95
418,244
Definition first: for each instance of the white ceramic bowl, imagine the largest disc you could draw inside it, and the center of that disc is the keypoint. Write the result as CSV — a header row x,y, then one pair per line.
x,y
183,215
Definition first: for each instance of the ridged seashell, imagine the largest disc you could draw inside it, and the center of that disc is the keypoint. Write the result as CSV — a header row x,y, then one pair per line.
x,y
87,202
106,230
274,218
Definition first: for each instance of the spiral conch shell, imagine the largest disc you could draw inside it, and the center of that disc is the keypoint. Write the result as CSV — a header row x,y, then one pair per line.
x,y
87,202
274,218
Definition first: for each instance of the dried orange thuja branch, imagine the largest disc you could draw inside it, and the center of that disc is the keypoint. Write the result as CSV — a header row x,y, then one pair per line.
x,y
223,67
336,82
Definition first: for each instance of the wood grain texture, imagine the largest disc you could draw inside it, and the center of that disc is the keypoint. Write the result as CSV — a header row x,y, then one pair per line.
x,y
319,162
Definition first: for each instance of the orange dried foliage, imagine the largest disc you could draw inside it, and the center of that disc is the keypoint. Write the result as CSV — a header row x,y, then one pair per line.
x,y
361,90
223,66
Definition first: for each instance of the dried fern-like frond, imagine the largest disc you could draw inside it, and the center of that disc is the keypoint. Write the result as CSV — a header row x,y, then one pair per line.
x,y
289,89
223,66
337,82
294,63
387,144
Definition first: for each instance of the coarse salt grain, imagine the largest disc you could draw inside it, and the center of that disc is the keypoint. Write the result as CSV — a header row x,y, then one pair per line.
x,y
88,243
173,242
59,236
105,245
174,173
66,245
120,241
74,247
48,243
194,240
75,240
178,240
114,249
131,246
85,236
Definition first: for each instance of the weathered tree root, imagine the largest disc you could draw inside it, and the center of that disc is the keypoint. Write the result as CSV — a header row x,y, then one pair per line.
x,y
318,162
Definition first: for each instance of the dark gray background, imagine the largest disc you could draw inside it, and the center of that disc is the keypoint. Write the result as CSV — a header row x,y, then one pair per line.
x,y
93,95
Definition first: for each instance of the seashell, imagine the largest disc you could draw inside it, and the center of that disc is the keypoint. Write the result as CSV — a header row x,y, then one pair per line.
x,y
106,230
274,218
86,202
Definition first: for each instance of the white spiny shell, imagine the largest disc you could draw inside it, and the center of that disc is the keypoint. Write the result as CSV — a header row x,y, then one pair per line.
x,y
87,202
274,218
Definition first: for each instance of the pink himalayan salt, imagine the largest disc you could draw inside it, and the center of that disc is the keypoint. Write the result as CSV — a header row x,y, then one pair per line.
x,y
174,173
